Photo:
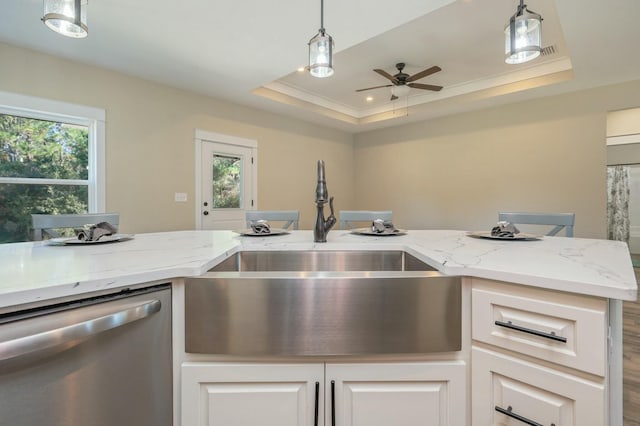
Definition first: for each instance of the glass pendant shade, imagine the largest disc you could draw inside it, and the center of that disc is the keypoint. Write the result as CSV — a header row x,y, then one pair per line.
x,y
321,55
523,37
67,17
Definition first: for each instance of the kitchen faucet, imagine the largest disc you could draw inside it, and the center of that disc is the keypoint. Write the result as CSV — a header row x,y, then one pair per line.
x,y
322,226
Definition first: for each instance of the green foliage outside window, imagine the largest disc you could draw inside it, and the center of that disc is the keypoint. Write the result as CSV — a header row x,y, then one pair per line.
x,y
226,182
31,148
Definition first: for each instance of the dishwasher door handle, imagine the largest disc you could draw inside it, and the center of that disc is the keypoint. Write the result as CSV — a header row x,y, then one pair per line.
x,y
68,336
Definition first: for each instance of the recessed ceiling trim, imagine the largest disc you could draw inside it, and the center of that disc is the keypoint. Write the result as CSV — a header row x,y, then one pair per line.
x,y
309,99
548,68
313,98
282,98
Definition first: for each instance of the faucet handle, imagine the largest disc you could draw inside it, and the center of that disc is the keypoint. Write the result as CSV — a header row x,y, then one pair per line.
x,y
331,220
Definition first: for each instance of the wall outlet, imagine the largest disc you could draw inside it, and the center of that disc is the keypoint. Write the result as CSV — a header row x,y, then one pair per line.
x,y
180,197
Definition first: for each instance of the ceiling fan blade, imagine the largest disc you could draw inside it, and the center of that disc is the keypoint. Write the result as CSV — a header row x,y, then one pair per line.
x,y
424,73
376,87
425,86
394,97
386,75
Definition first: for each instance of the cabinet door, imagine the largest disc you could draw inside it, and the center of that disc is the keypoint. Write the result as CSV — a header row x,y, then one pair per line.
x,y
234,394
510,391
407,394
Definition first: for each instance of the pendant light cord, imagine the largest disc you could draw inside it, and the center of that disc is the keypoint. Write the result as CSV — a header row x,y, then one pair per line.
x,y
77,16
322,15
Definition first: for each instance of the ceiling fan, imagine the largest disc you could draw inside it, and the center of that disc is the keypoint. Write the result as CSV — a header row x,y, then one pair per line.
x,y
403,79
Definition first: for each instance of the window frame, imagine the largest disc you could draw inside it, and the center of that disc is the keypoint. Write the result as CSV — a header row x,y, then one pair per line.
x,y
52,110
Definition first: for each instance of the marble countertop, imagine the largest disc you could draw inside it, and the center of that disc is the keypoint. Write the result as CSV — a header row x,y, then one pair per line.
x,y
31,272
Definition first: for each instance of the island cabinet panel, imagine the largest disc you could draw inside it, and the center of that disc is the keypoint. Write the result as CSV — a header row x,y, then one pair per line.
x,y
358,394
510,391
229,394
565,329
538,357
411,394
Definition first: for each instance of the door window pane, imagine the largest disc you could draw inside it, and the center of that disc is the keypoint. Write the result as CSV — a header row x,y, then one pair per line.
x,y
227,179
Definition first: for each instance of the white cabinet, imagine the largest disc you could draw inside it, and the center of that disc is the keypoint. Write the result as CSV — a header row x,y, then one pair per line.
x,y
238,394
566,329
407,394
359,394
538,357
507,388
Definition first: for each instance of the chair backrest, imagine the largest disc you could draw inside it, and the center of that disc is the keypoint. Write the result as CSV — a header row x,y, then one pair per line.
x,y
348,217
46,224
290,217
558,220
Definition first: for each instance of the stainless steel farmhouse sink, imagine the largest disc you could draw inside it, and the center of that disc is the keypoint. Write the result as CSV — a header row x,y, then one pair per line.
x,y
322,303
321,260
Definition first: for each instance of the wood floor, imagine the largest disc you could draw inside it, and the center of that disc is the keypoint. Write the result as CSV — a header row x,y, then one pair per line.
x,y
631,363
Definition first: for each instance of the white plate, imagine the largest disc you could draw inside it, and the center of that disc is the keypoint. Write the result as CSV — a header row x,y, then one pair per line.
x,y
273,231
368,231
517,237
76,242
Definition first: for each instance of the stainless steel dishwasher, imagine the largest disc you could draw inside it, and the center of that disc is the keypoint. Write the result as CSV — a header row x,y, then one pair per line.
x,y
100,361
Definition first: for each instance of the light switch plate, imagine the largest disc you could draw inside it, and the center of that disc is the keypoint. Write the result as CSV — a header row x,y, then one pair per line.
x,y
180,197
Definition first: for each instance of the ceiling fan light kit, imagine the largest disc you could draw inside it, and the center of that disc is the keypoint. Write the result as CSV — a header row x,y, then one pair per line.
x,y
400,91
401,83
321,51
66,17
523,36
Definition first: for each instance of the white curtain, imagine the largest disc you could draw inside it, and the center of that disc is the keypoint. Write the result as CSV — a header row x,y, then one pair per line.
x,y
618,192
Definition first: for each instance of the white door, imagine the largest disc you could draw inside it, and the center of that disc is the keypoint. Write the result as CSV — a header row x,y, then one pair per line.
x,y
226,394
407,394
227,182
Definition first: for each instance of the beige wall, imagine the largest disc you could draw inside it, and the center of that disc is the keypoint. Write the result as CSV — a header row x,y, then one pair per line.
x,y
457,172
624,122
150,133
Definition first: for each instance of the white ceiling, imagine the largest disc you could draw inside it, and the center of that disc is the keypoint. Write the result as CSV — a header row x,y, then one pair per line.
x,y
248,51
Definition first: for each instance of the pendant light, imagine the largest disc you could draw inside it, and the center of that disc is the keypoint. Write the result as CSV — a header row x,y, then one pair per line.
x,y
321,51
66,17
523,36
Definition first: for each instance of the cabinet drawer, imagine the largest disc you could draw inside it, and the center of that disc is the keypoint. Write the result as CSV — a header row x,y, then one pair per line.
x,y
508,391
558,327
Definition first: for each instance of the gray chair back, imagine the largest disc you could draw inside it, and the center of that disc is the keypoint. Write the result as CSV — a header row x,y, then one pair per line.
x,y
290,217
348,217
558,220
45,225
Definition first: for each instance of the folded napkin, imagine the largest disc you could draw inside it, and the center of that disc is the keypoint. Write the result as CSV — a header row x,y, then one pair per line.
x,y
92,232
504,229
260,227
380,226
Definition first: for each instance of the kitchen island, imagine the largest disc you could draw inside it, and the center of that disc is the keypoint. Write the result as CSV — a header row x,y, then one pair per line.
x,y
32,272
570,287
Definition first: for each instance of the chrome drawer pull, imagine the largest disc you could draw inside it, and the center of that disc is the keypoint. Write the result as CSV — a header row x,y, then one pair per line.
x,y
509,412
551,335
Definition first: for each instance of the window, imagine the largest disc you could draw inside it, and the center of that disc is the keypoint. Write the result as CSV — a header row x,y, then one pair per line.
x,y
51,161
226,182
